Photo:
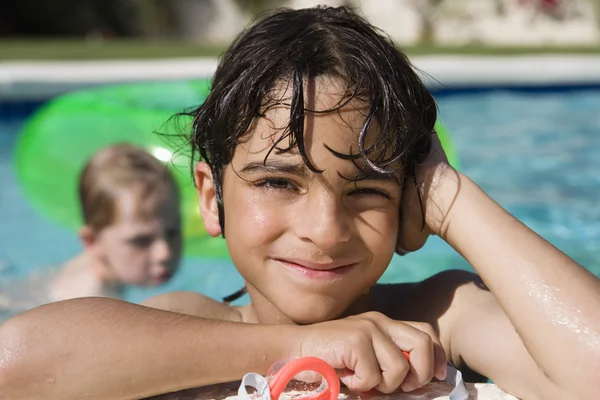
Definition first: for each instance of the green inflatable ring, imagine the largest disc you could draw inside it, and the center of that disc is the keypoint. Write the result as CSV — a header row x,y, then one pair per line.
x,y
62,135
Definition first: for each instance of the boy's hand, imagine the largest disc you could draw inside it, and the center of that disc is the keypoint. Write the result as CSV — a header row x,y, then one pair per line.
x,y
367,352
431,175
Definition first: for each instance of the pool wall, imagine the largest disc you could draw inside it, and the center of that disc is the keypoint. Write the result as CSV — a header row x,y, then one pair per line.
x,y
38,81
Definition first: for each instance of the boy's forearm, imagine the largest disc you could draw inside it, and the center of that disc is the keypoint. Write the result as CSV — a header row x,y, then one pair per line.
x,y
101,348
551,301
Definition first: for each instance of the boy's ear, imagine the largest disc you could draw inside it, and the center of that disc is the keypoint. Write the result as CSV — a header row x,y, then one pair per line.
x,y
205,186
87,235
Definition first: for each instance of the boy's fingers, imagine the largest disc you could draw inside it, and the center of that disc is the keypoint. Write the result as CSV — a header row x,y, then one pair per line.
x,y
421,359
439,354
392,363
411,235
416,338
365,374
420,340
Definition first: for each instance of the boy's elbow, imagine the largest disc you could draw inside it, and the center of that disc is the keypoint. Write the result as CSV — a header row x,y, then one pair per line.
x,y
587,386
10,356
581,382
586,389
16,370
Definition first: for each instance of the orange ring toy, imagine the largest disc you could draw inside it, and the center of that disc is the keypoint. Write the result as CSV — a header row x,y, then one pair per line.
x,y
281,379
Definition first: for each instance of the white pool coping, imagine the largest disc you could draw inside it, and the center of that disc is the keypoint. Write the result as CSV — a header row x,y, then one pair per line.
x,y
26,80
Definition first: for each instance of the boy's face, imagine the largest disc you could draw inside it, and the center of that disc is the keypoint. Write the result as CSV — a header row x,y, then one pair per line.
x,y
308,244
141,248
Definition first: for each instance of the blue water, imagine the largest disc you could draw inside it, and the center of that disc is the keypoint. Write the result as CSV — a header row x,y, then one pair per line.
x,y
536,154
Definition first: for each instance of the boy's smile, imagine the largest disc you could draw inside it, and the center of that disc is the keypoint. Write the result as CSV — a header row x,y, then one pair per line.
x,y
307,243
325,272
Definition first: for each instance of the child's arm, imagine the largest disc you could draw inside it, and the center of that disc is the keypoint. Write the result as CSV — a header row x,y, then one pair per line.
x,y
97,348
547,325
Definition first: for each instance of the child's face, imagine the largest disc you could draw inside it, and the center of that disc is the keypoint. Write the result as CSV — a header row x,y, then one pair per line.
x,y
307,243
141,248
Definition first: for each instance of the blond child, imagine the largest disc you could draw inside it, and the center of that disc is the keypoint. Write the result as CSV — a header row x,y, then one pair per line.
x,y
132,229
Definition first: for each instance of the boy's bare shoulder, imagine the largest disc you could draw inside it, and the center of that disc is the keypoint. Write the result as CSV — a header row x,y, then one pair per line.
x,y
446,301
192,303
432,298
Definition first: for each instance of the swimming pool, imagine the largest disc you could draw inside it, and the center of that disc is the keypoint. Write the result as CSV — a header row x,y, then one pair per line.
x,y
534,153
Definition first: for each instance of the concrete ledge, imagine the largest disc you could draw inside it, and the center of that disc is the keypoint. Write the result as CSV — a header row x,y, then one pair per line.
x,y
42,80
541,70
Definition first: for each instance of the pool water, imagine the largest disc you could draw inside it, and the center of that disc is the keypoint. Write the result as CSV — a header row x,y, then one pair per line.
x,y
536,154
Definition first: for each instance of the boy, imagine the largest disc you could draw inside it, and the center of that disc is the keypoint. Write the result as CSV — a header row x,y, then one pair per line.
x,y
319,160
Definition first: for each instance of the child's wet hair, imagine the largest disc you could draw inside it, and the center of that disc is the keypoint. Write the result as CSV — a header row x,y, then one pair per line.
x,y
117,169
290,47
293,46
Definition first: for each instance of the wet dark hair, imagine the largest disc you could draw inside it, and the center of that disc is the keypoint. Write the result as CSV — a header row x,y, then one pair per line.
x,y
292,46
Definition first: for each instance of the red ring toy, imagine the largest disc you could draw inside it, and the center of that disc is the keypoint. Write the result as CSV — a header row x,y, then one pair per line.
x,y
281,379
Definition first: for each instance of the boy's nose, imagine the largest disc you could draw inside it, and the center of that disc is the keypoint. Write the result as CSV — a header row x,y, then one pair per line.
x,y
323,221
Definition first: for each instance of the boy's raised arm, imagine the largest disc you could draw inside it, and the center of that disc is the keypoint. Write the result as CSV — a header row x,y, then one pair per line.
x,y
97,348
552,303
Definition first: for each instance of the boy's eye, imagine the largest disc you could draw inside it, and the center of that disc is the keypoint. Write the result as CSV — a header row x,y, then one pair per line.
x,y
276,183
370,191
